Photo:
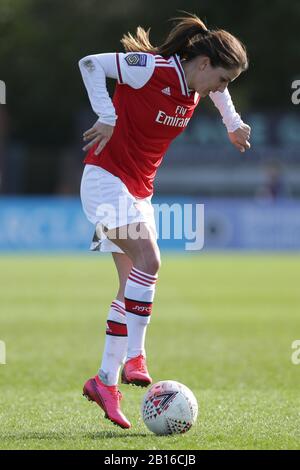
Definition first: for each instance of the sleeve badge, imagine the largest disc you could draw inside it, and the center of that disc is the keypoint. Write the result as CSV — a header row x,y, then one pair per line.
x,y
89,65
137,60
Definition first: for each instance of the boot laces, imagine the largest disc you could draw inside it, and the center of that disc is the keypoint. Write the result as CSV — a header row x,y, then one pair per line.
x,y
139,364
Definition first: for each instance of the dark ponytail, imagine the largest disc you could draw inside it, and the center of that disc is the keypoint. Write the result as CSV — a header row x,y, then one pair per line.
x,y
190,38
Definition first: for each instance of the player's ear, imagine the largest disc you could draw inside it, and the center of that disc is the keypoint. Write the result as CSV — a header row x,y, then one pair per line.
x,y
204,62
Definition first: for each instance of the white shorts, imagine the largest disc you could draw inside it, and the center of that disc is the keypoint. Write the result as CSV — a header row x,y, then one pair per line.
x,y
107,202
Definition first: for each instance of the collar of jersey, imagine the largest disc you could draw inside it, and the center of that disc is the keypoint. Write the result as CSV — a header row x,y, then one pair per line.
x,y
182,74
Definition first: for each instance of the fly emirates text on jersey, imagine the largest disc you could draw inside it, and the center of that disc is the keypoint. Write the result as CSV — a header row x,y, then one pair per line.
x,y
175,121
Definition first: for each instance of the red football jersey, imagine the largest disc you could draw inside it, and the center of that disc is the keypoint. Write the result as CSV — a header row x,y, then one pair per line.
x,y
149,119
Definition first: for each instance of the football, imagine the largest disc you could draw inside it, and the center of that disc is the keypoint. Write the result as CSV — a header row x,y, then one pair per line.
x,y
169,407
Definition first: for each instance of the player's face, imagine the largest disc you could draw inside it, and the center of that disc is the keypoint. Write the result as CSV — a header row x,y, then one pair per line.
x,y
206,78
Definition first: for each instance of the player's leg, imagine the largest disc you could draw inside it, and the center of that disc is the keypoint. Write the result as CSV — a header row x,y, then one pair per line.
x,y
139,294
103,387
124,265
99,187
115,348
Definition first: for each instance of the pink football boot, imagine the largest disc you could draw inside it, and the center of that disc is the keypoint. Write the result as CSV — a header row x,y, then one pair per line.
x,y
108,398
135,372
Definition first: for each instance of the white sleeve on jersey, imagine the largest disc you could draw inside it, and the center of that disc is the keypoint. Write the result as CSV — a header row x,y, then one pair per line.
x,y
133,69
223,102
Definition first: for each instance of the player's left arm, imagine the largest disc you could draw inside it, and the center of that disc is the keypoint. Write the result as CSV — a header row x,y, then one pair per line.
x,y
133,69
238,132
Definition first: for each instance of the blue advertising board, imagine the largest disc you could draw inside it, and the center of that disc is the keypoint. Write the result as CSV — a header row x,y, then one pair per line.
x,y
58,224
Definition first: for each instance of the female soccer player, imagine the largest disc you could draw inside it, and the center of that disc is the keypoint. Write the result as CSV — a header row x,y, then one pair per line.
x,y
157,91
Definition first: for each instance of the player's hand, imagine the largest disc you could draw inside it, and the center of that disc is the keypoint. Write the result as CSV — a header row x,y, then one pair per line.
x,y
98,133
240,138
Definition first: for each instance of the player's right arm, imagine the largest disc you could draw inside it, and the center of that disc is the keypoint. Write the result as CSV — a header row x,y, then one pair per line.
x,y
238,131
94,70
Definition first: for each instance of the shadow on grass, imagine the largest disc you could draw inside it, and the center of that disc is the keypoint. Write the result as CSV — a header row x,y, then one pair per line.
x,y
24,436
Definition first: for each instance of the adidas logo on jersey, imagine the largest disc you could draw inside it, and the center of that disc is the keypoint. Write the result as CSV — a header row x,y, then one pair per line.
x,y
166,91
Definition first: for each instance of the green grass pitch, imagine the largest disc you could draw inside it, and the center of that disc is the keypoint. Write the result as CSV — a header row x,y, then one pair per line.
x,y
222,324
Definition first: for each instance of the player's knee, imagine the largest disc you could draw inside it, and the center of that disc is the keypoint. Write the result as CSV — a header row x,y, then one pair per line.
x,y
151,268
149,262
153,265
